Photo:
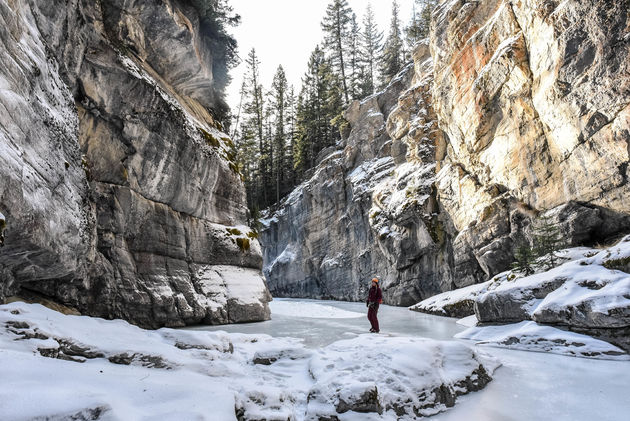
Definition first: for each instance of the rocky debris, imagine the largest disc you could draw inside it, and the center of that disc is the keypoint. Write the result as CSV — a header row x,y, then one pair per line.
x,y
150,361
120,188
87,414
365,399
271,405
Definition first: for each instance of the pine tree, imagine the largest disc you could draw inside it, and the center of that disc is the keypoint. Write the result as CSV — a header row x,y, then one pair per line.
x,y
425,15
252,130
279,89
320,102
336,25
414,31
547,241
420,22
291,134
393,55
354,51
370,46
524,259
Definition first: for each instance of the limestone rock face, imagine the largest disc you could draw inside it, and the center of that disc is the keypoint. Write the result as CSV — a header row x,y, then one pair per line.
x,y
516,110
117,185
534,98
368,209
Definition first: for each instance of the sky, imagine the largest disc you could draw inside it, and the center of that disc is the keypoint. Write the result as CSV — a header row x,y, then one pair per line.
x,y
286,32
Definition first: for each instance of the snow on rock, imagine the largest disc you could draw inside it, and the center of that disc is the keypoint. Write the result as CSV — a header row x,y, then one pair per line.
x,y
400,377
530,336
370,173
587,293
233,292
310,310
457,303
112,370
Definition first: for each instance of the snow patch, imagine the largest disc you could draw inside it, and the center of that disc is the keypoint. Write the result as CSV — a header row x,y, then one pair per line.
x,y
530,336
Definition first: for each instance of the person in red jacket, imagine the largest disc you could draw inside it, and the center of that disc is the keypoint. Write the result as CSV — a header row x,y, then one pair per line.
x,y
375,298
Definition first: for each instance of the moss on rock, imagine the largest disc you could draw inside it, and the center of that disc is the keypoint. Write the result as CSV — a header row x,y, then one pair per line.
x,y
243,244
234,231
210,140
622,264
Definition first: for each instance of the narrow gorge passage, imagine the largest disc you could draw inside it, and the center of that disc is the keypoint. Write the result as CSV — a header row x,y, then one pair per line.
x,y
196,196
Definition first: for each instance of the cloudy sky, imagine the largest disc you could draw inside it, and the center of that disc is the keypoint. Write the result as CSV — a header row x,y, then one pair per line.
x,y
286,32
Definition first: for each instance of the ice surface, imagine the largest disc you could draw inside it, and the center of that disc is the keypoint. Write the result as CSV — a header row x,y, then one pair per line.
x,y
318,332
310,310
469,321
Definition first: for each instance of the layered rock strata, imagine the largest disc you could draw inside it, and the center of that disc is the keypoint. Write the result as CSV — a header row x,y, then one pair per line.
x,y
342,227
118,190
521,111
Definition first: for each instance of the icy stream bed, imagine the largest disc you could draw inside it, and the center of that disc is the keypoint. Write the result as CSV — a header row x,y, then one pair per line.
x,y
529,385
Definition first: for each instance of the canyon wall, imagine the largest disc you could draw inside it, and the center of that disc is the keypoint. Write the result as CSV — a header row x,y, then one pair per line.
x,y
512,111
118,192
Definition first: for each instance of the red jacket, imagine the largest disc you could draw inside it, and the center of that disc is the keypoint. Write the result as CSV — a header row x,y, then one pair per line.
x,y
375,295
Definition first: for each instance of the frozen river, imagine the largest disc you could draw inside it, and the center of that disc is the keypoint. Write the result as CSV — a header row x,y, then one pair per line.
x,y
529,386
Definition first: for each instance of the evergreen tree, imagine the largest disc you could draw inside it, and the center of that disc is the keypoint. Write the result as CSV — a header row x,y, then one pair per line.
x,y
354,54
252,129
420,22
320,102
425,15
370,47
336,26
392,59
291,135
216,17
547,241
279,93
524,259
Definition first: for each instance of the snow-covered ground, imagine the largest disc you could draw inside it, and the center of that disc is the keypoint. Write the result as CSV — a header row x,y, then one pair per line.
x,y
206,373
59,367
528,386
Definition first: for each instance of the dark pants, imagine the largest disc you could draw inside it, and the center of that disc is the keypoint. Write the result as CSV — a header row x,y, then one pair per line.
x,y
372,318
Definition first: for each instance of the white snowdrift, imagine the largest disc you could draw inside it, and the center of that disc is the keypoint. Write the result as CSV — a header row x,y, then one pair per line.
x,y
55,366
530,336
403,377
